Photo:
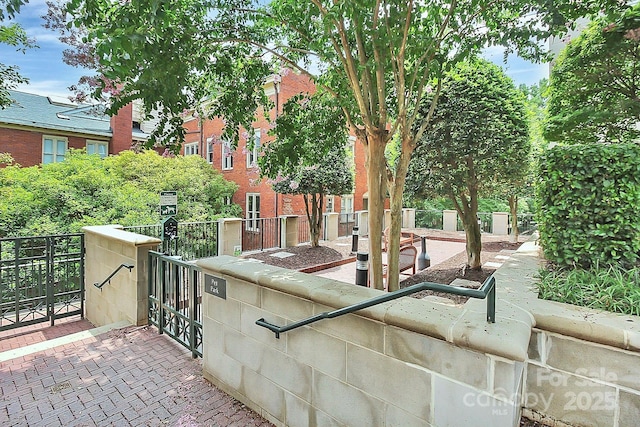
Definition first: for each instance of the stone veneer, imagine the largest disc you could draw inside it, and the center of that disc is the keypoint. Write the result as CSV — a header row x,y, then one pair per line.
x,y
405,362
412,362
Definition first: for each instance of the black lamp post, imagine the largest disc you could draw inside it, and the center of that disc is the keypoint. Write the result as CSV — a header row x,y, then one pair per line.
x,y
423,258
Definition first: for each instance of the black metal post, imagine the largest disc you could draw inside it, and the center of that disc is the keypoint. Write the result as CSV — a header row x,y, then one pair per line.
x,y
362,269
424,261
354,240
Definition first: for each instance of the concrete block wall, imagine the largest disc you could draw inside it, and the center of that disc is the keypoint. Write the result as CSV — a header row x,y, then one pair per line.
x,y
582,383
126,296
407,362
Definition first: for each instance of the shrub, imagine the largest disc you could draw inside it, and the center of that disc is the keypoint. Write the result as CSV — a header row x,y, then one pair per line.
x,y
588,198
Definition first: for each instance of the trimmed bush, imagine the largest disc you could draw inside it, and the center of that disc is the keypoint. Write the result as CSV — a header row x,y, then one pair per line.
x,y
588,202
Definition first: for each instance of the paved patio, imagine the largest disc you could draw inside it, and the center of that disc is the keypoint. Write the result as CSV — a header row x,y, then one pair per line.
x,y
124,377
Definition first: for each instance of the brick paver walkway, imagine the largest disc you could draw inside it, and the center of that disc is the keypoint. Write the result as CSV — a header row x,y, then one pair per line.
x,y
27,335
126,377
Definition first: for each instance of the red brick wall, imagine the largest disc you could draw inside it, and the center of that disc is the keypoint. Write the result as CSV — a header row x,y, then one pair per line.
x,y
25,146
271,204
121,127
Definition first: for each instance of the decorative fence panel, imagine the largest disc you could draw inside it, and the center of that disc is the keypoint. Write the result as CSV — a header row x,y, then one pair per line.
x,y
431,219
175,300
346,223
41,279
259,234
195,239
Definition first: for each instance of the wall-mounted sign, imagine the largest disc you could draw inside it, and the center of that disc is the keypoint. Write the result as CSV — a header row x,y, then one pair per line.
x,y
215,286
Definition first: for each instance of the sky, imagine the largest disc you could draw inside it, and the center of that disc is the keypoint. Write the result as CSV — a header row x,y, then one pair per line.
x,y
49,76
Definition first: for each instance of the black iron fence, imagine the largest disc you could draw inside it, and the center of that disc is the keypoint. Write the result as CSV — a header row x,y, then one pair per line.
x,y
41,279
304,229
259,234
346,222
175,300
195,239
526,223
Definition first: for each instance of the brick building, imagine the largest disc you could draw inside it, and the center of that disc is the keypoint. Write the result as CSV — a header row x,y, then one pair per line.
x,y
37,129
256,196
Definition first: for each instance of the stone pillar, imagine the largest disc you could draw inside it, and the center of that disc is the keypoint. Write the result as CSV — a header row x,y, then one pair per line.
x,y
126,296
500,223
363,223
408,218
230,236
450,220
331,225
288,231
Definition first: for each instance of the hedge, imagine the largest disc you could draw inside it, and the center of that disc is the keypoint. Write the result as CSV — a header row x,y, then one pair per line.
x,y
588,204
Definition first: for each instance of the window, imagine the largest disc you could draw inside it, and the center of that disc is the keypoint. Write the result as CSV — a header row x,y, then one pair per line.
x,y
54,149
346,215
227,156
191,149
253,212
210,150
228,200
330,203
98,147
252,152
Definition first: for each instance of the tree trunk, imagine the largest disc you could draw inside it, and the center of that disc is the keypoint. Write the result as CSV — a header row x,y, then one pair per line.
x,y
474,239
513,207
376,182
396,190
313,218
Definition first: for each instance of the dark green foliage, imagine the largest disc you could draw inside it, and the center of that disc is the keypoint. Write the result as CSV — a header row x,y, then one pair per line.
x,y
595,84
85,190
588,198
605,288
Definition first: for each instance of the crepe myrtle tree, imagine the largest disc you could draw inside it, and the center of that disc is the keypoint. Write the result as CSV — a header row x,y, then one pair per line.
x,y
476,141
595,84
309,154
331,176
375,57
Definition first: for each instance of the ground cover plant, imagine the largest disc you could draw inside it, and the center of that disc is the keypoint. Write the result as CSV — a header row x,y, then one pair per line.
x,y
609,288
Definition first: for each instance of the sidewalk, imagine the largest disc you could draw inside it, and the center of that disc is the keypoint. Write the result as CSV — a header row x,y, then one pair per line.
x,y
126,377
437,250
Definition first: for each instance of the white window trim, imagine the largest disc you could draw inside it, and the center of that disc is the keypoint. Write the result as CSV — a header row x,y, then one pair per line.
x,y
210,150
96,142
192,147
55,140
330,204
252,224
227,161
349,212
252,154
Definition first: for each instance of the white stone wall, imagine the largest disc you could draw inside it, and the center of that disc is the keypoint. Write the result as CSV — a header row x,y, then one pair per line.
x,y
404,363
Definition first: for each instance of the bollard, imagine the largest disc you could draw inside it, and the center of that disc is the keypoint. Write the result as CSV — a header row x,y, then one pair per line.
x,y
354,240
423,259
362,269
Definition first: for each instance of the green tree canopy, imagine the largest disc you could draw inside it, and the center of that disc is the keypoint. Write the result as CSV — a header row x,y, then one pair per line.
x,y
123,189
595,84
477,139
309,155
375,57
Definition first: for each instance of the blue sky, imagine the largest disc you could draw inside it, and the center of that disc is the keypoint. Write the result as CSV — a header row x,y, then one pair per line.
x,y
48,75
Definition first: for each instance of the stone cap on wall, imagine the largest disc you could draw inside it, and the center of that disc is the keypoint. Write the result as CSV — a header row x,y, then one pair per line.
x,y
115,232
516,287
508,337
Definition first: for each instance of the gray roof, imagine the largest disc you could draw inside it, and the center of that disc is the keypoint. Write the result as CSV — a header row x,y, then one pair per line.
x,y
43,112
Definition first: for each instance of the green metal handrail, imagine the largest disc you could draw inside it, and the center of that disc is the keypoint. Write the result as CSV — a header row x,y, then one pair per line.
x,y
108,279
487,290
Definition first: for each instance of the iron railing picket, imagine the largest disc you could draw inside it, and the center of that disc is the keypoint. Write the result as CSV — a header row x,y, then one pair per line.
x,y
175,300
41,279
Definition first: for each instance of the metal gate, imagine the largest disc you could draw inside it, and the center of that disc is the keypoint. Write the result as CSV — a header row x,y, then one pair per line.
x,y
41,279
175,300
